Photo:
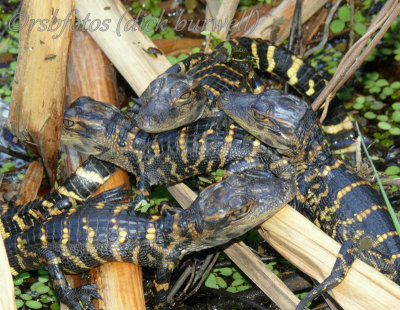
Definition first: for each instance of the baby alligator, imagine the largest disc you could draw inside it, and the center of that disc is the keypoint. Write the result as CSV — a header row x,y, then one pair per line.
x,y
78,187
189,90
346,207
101,231
101,130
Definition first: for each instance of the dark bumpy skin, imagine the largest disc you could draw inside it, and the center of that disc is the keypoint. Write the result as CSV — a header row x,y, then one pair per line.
x,y
188,90
170,100
78,187
101,130
345,206
101,231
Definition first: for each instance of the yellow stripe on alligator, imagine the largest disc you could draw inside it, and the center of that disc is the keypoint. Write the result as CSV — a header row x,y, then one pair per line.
x,y
63,191
350,149
13,271
311,89
346,124
292,72
343,192
255,52
270,58
90,175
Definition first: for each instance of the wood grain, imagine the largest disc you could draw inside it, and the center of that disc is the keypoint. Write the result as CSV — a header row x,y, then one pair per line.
x,y
313,252
31,183
38,95
91,74
282,13
7,300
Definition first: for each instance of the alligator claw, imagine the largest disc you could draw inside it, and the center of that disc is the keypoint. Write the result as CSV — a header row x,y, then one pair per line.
x,y
79,297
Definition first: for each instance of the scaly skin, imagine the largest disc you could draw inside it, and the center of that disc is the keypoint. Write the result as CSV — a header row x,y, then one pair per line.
x,y
78,187
102,230
188,90
101,130
345,206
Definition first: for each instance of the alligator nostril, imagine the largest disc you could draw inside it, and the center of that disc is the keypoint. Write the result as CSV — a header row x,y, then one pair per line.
x,y
147,122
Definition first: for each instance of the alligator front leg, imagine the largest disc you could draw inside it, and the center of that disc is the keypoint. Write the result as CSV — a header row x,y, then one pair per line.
x,y
72,297
248,163
142,190
342,265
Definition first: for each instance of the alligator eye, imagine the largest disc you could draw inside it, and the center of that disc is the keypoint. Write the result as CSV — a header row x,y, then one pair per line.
x,y
183,98
68,123
244,210
258,116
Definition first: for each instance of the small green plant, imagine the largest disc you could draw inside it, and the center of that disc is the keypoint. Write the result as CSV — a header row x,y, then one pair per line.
x,y
37,294
343,20
215,38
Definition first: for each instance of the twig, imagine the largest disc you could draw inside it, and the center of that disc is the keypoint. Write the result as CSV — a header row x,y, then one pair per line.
x,y
351,35
14,154
325,36
11,19
185,274
295,29
210,266
203,267
351,61
358,153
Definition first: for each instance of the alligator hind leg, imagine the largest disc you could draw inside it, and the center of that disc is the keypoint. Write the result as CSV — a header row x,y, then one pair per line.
x,y
342,265
161,286
72,297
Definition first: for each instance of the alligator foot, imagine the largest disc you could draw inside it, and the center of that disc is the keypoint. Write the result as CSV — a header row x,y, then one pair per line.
x,y
79,298
342,265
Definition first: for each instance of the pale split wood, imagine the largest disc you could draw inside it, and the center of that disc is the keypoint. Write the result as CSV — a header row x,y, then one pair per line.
x,y
123,44
31,183
219,18
251,265
312,251
36,108
224,17
7,300
283,12
91,74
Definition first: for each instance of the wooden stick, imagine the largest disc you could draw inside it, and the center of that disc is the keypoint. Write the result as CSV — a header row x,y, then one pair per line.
x,y
123,43
7,299
91,74
221,24
31,183
285,10
38,95
226,11
312,251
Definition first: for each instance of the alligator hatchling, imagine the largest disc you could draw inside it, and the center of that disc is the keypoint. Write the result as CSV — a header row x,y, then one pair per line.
x,y
101,130
343,205
102,230
189,90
